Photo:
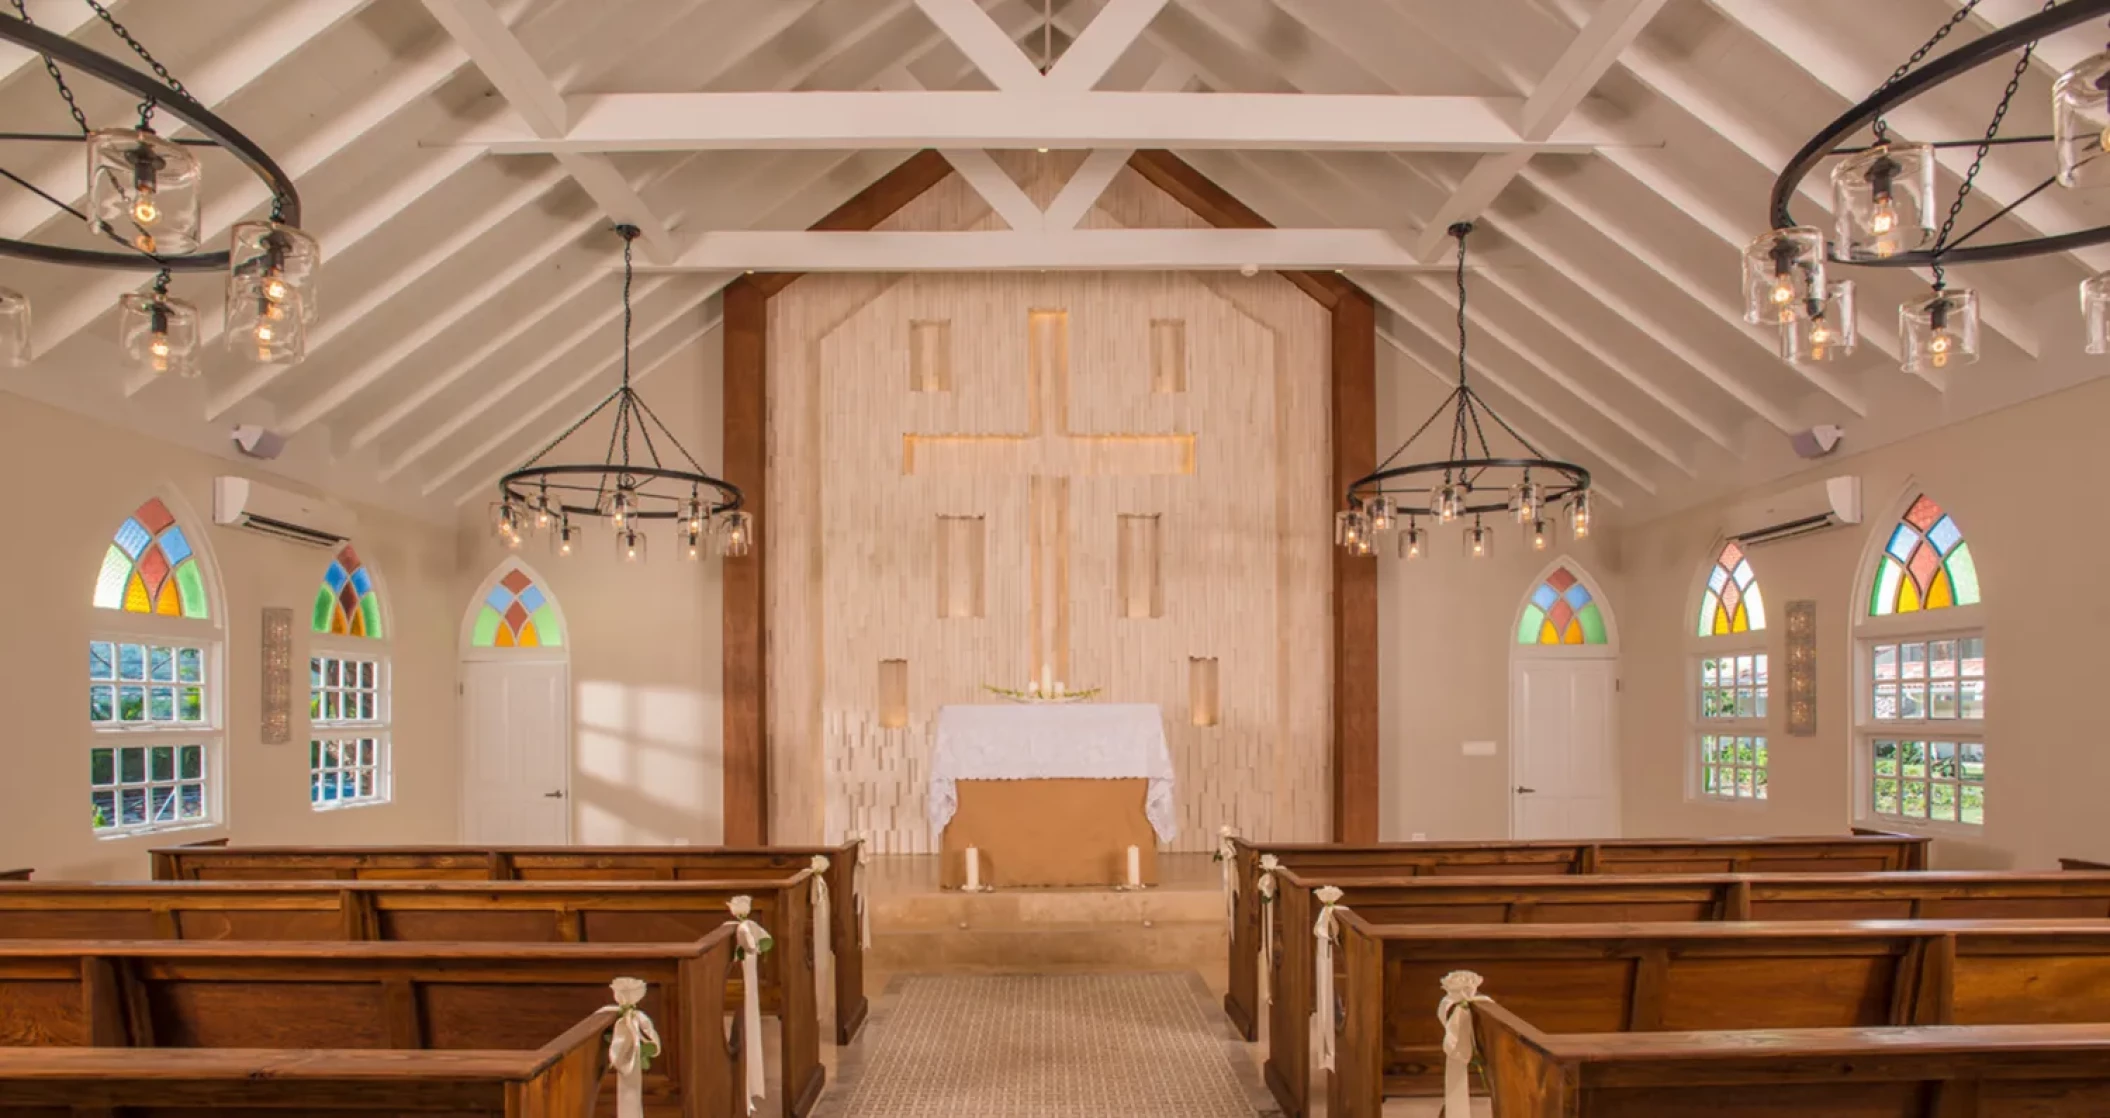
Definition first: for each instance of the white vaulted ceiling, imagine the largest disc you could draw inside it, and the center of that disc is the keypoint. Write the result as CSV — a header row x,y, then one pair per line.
x,y
461,162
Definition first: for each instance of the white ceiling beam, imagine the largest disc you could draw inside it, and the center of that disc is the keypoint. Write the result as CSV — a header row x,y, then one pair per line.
x,y
997,187
427,388
1105,39
340,322
687,312
984,43
1085,188
1550,369
565,351
1074,249
1852,75
60,17
1574,74
1729,311
2053,56
405,86
840,120
261,44
1528,403
507,65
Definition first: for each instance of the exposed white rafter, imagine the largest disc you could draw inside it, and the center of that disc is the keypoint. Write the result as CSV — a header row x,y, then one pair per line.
x,y
1074,249
1104,40
1085,188
978,119
984,43
1596,49
59,18
997,187
506,63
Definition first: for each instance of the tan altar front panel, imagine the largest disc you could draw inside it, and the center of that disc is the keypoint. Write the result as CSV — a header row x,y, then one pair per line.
x,y
1049,832
1119,478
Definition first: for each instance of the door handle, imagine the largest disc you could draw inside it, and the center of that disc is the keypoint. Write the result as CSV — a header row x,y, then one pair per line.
x,y
1523,791
558,795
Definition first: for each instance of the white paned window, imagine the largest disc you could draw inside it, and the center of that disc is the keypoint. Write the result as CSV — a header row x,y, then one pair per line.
x,y
1730,681
1920,664
348,763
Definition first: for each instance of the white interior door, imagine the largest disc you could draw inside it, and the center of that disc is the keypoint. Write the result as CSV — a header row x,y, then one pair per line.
x,y
516,734
1564,766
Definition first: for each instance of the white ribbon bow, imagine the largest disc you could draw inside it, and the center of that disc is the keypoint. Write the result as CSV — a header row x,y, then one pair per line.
x,y
632,1042
1266,888
857,887
1322,1011
1461,988
1227,854
822,924
752,941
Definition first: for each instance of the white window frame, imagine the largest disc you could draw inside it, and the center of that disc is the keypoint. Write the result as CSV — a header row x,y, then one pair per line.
x,y
1754,642
120,628
323,733
1951,623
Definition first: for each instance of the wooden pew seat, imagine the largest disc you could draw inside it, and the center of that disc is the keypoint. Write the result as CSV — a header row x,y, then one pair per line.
x,y
2044,1071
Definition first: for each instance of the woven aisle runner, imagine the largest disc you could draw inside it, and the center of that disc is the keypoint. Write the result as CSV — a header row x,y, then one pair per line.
x,y
1047,1046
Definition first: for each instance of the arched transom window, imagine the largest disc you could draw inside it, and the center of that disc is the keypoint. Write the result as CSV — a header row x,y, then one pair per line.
x,y
149,567
516,613
1561,611
1732,602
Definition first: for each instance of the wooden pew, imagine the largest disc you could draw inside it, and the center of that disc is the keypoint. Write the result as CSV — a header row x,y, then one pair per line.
x,y
16,875
1600,978
2082,864
218,861
1649,898
450,912
2046,1071
1861,852
128,994
558,1080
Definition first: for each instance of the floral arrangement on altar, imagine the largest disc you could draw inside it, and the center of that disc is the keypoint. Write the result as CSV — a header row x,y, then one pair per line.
x,y
1046,689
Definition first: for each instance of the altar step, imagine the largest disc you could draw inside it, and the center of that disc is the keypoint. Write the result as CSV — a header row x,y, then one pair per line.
x,y
1049,930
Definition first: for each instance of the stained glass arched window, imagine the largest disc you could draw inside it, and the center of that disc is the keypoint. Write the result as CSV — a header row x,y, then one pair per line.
x,y
1732,602
348,604
1925,565
150,567
517,614
1561,611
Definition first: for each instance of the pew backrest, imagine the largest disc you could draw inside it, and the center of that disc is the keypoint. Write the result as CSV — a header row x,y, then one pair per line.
x,y
128,994
2047,1070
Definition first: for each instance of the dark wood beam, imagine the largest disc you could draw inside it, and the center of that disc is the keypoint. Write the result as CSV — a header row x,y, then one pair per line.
x,y
1353,404
1215,205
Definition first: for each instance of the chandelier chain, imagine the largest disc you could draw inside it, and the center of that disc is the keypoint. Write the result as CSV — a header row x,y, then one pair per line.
x,y
146,107
52,67
1992,131
1882,128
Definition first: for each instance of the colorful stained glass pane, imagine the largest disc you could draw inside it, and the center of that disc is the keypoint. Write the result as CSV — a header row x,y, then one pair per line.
x,y
150,567
1560,611
516,613
516,581
1731,604
325,608
348,603
548,629
532,598
487,625
1926,565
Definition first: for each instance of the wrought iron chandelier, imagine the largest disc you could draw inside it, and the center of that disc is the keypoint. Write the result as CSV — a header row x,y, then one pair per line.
x,y
1886,213
629,487
1472,481
143,193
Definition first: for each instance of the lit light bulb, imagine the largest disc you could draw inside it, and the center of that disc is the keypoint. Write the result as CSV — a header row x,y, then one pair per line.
x,y
1540,537
1412,542
144,211
1478,541
263,332
275,289
1883,219
1783,291
158,352
1939,343
1579,516
566,536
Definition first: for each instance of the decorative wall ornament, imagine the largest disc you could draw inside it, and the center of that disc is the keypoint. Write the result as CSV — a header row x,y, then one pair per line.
x,y
1802,669
278,675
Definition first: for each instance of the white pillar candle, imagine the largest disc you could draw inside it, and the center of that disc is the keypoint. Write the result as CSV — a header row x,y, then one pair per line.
x,y
1135,868
974,868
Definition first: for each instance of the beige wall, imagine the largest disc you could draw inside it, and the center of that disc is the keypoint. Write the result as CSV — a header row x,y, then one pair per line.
x,y
75,480
1445,637
2023,484
645,641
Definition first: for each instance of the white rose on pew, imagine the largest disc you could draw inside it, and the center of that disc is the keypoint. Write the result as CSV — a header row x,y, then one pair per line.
x,y
1268,865
1461,986
1224,835
820,863
741,907
1328,894
628,992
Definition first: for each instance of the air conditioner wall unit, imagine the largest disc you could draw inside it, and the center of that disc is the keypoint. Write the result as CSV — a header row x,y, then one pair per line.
x,y
242,503
1797,512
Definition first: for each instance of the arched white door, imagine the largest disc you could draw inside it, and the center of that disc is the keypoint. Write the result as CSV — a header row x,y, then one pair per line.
x,y
1564,684
516,714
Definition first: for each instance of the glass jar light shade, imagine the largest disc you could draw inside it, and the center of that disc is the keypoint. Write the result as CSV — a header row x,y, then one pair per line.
x,y
14,328
2095,311
1378,513
268,331
1525,498
1541,535
1880,198
621,507
277,260
2080,123
739,535
1579,514
1828,333
567,537
1781,269
1940,330
506,521
143,191
1479,541
1449,502
630,545
158,332
1414,542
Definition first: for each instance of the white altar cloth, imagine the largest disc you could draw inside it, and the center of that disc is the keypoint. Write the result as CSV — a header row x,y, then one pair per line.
x,y
1026,741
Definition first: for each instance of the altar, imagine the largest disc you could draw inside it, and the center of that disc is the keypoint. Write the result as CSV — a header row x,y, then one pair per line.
x,y
1051,794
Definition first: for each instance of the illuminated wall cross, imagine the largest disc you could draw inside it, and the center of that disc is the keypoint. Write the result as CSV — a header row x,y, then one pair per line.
x,y
1048,454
